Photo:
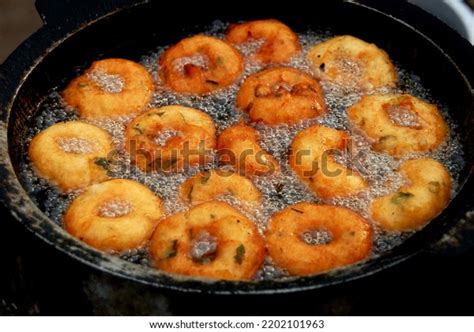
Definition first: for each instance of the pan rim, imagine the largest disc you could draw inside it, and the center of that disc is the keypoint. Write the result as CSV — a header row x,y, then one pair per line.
x,y
24,209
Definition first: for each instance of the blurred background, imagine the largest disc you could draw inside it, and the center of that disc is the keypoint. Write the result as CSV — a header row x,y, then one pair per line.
x,y
18,20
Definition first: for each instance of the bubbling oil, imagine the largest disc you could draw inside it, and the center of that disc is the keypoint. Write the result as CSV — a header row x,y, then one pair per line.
x,y
278,190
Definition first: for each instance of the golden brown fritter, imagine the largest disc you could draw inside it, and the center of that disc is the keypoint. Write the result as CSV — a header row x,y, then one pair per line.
x,y
348,238
239,146
279,42
311,159
415,204
110,87
399,124
71,154
354,63
199,65
170,138
209,185
211,240
115,215
281,95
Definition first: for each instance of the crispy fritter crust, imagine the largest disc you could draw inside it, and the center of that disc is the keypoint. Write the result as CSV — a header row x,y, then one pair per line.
x,y
371,115
351,62
280,43
414,205
239,146
208,185
281,95
240,248
310,158
351,238
194,140
71,170
92,101
132,230
224,65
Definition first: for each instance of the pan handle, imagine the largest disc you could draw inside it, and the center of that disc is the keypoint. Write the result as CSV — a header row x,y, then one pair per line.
x,y
69,13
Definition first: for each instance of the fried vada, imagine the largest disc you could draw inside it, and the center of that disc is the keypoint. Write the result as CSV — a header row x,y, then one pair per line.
x,y
200,65
311,158
353,63
115,215
281,95
211,240
209,185
307,239
110,88
399,124
170,138
279,42
426,194
71,154
239,147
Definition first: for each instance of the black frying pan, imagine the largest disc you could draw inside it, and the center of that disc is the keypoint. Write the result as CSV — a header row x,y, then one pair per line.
x,y
77,32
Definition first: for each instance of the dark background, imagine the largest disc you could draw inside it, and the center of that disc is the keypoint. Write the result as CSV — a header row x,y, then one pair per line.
x,y
18,20
37,279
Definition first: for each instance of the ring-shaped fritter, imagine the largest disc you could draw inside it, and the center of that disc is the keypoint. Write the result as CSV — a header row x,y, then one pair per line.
x,y
71,154
211,240
170,138
110,88
281,95
399,124
415,204
115,215
279,42
311,158
209,185
353,63
200,65
348,238
239,147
